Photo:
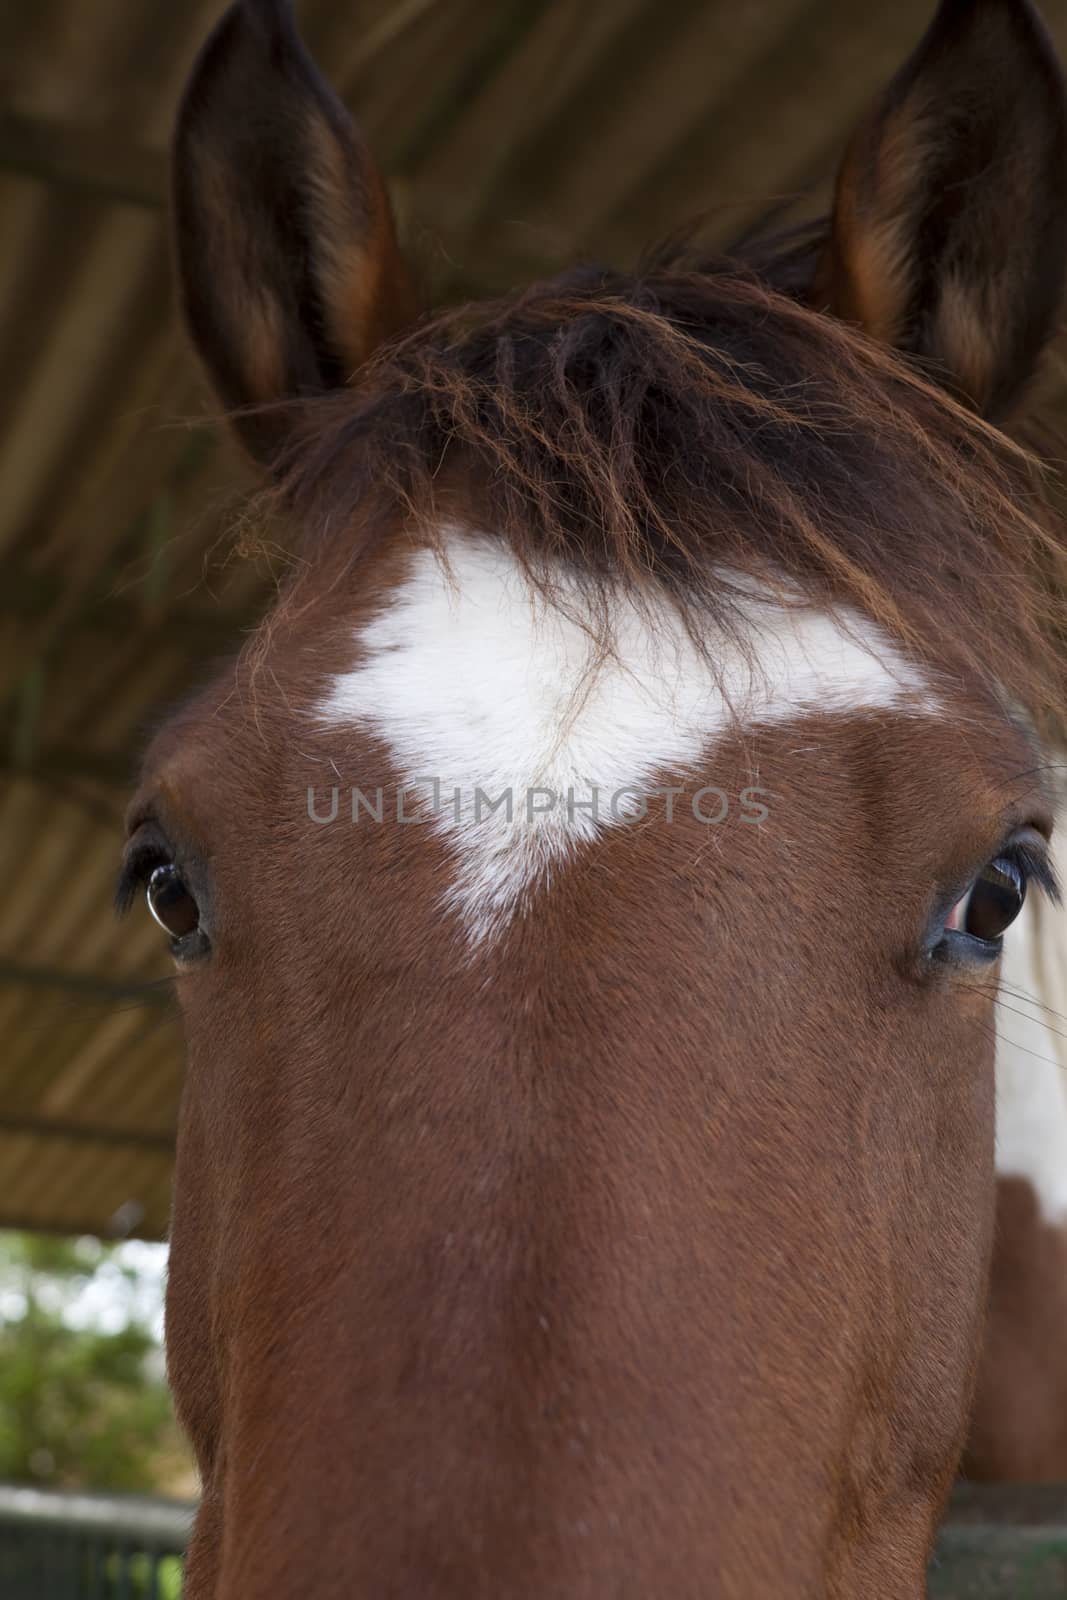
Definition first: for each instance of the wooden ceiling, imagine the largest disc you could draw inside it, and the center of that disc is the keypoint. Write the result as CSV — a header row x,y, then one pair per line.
x,y
518,135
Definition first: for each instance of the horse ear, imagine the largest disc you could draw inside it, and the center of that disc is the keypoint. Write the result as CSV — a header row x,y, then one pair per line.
x,y
949,230
287,260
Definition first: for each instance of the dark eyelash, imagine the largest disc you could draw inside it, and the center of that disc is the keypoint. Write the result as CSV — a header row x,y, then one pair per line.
x,y
136,871
1033,861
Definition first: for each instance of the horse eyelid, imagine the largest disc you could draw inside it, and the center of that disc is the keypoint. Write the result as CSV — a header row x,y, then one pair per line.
x,y
1033,858
142,855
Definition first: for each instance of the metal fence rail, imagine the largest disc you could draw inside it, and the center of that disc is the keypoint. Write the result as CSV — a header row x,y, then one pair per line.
x,y
1003,1542
998,1543
90,1546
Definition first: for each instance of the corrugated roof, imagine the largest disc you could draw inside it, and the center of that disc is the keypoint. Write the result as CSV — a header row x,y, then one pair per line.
x,y
518,135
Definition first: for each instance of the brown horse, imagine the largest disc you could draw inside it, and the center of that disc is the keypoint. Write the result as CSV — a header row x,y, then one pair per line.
x,y
587,887
1019,1422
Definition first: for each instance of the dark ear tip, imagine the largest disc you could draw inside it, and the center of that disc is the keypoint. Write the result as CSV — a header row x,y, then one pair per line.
x,y
256,42
1021,16
266,25
1007,37
967,10
272,20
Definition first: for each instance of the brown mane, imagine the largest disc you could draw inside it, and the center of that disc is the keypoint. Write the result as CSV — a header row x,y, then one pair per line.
x,y
662,427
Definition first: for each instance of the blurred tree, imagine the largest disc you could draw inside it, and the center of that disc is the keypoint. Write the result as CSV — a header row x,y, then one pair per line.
x,y
83,1401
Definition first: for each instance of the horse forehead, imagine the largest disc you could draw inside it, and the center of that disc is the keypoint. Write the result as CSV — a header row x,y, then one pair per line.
x,y
479,685
468,663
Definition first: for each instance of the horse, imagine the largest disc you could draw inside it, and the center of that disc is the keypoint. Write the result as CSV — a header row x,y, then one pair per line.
x,y
1018,1429
586,886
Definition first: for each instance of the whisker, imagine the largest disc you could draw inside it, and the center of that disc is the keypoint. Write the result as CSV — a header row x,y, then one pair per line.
x,y
973,988
1022,1048
1032,1000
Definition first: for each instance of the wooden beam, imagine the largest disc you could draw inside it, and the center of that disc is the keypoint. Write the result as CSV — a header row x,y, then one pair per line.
x,y
32,595
149,1229
86,1133
65,763
104,164
782,120
150,993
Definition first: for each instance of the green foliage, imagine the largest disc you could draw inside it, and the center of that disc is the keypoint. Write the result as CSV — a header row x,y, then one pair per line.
x,y
139,1582
83,1402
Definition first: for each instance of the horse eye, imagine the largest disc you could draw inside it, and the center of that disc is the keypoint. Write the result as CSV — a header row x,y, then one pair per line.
x,y
171,902
993,901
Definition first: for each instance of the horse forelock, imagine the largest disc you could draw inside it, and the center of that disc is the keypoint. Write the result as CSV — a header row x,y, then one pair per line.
x,y
658,430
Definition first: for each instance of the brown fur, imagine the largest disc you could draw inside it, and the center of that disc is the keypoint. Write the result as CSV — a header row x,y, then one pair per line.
x,y
642,1252
1019,1423
487,1282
